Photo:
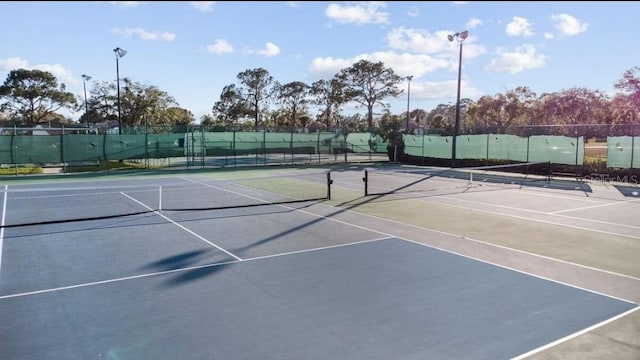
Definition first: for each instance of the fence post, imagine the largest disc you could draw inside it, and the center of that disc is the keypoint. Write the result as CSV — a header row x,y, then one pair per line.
x,y
64,163
577,143
632,150
366,182
233,146
14,156
203,147
146,145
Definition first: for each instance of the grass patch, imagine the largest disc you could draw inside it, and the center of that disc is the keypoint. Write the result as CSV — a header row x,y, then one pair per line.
x,y
105,165
21,170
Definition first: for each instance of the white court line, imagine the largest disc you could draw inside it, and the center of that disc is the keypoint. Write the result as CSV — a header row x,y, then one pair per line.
x,y
570,197
590,207
2,220
302,211
574,335
319,248
452,197
108,281
185,229
521,271
546,221
490,244
190,268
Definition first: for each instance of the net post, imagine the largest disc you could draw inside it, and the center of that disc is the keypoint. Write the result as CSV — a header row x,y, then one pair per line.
x,y
366,182
160,198
471,177
549,173
329,182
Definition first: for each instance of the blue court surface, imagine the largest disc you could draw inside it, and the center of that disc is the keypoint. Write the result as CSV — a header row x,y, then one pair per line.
x,y
268,282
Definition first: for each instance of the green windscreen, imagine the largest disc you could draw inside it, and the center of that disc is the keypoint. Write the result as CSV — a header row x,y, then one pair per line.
x,y
366,142
556,149
219,143
37,149
81,148
437,146
507,147
623,152
471,147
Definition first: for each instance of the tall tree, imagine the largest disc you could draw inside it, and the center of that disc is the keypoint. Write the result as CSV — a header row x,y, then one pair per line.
x,y
630,84
34,95
256,89
369,83
329,95
441,118
231,106
178,116
574,108
295,98
207,120
627,102
143,103
140,104
102,103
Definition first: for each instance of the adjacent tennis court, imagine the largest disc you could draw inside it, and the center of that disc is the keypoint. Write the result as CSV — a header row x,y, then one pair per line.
x,y
302,263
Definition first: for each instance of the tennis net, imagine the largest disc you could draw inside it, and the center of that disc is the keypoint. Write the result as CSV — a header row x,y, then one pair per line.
x,y
447,180
28,205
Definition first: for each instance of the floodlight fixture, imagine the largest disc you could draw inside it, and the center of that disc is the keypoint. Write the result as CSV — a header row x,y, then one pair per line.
x,y
120,52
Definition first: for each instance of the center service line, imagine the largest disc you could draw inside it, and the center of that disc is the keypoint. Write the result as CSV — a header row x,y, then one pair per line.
x,y
185,229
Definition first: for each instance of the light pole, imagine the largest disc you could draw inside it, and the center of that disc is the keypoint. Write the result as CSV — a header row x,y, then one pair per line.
x,y
85,78
119,53
408,97
460,37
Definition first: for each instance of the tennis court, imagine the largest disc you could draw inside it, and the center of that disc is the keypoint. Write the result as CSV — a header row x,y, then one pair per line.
x,y
301,263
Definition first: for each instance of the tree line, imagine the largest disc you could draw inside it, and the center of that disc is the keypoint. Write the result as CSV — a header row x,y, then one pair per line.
x,y
257,100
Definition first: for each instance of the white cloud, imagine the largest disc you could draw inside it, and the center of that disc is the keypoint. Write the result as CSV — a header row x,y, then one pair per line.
x,y
13,63
404,64
436,44
364,13
413,11
125,4
144,34
521,59
416,40
473,23
460,2
220,46
294,4
269,50
519,26
62,75
568,25
203,6
548,36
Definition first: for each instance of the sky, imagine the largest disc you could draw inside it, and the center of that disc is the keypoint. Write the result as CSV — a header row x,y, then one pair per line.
x,y
191,50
